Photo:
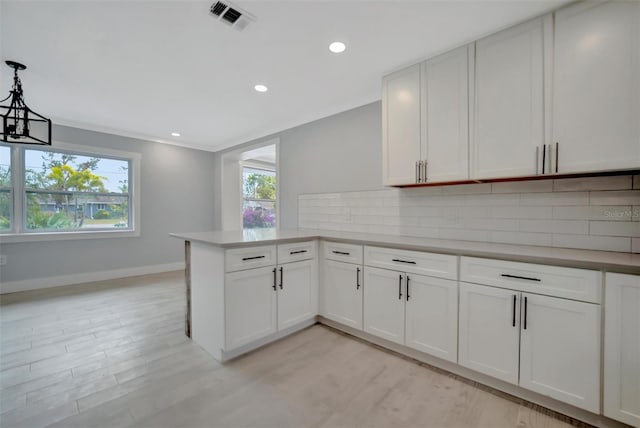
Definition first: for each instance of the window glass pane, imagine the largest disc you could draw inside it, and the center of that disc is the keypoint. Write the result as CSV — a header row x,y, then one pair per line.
x,y
78,173
259,183
5,209
6,200
5,166
259,193
75,192
258,214
76,210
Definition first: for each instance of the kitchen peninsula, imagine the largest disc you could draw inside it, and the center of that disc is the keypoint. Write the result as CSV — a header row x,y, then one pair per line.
x,y
429,299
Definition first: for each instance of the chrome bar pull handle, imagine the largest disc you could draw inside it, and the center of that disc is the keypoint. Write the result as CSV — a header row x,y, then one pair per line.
x,y
557,154
424,179
544,157
417,173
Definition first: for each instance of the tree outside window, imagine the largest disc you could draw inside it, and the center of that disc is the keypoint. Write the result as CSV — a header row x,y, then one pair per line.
x,y
72,191
259,198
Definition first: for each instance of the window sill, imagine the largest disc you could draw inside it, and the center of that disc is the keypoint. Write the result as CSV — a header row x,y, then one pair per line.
x,y
10,238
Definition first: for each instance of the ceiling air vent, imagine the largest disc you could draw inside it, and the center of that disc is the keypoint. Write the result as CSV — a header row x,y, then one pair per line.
x,y
231,15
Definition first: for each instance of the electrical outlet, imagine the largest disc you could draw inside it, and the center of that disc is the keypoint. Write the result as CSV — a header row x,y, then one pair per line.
x,y
3,260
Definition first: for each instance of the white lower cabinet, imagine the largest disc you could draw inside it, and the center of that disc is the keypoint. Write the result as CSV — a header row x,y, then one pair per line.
x,y
342,293
413,310
261,301
297,293
384,303
250,299
622,348
560,350
489,331
530,325
545,344
431,316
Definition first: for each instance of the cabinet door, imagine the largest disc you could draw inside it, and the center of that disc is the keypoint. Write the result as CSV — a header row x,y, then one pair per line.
x,y
401,126
432,316
297,293
489,331
446,115
384,303
622,348
342,293
509,101
250,306
596,91
560,350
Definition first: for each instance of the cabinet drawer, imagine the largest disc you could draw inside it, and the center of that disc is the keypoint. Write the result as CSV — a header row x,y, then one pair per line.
x,y
296,251
249,258
438,265
569,283
349,253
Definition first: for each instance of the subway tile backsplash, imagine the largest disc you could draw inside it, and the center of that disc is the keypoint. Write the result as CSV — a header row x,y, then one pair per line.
x,y
597,213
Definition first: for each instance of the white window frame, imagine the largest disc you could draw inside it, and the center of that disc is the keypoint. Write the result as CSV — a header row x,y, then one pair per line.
x,y
18,233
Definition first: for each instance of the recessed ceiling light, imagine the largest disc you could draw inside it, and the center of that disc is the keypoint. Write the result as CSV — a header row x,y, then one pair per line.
x,y
337,47
261,88
175,134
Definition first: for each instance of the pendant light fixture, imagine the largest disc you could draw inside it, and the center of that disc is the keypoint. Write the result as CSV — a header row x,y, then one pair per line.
x,y
20,124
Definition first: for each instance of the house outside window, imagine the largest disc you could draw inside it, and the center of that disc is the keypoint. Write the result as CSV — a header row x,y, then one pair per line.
x,y
259,198
63,190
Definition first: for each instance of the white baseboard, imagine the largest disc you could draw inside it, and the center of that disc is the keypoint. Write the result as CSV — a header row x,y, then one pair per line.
x,y
79,278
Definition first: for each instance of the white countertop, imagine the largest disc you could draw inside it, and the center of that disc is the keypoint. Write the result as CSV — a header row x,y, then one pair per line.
x,y
609,260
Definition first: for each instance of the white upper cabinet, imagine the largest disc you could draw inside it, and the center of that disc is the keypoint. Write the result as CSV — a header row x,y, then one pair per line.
x,y
596,88
425,120
445,146
509,122
556,95
401,126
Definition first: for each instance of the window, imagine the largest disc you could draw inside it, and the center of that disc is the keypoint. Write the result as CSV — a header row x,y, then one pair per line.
x,y
6,189
63,190
259,198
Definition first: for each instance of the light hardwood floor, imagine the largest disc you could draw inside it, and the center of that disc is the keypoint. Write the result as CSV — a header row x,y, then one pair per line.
x,y
113,354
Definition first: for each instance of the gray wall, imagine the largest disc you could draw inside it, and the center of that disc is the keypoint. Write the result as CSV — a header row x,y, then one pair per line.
x,y
336,154
176,196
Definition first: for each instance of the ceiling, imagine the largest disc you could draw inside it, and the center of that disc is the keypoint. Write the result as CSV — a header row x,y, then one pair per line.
x,y
149,68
